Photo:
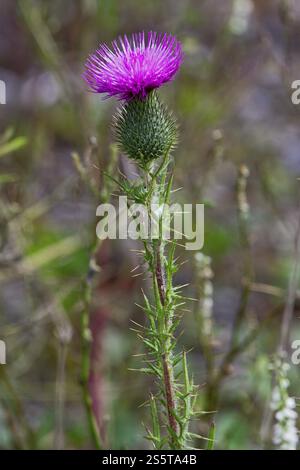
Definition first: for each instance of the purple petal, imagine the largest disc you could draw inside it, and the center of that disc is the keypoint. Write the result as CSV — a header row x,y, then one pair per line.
x,y
133,66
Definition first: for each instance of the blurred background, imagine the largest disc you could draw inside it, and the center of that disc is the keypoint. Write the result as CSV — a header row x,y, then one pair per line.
x,y
232,99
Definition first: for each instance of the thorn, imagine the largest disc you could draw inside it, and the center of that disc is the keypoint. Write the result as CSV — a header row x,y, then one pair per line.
x,y
134,269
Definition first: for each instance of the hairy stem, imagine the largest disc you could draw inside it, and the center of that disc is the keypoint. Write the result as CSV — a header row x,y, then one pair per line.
x,y
166,359
170,420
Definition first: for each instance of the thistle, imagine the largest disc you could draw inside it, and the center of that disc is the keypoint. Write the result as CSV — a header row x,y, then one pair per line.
x,y
145,130
132,68
147,133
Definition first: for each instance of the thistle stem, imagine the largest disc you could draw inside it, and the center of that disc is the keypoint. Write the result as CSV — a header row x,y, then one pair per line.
x,y
170,423
166,359
156,189
160,277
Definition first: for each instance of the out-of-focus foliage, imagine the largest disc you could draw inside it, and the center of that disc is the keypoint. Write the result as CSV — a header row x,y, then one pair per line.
x,y
232,102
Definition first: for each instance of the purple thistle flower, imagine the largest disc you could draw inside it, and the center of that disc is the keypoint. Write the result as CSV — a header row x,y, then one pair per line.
x,y
133,67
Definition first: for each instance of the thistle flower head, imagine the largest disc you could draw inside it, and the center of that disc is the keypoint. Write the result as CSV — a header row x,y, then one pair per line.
x,y
134,66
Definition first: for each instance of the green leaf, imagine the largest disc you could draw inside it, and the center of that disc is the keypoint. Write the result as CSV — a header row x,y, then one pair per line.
x,y
8,178
155,420
7,135
211,437
12,145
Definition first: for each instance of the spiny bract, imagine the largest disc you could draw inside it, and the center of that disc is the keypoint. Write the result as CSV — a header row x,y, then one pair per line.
x,y
145,129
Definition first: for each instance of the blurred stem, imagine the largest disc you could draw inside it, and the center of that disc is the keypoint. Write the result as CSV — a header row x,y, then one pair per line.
x,y
44,40
16,414
237,345
60,398
213,393
101,195
51,55
291,294
248,272
204,311
85,358
64,333
86,340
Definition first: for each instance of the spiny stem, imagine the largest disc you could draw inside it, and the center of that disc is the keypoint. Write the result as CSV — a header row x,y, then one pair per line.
x,y
166,362
170,422
156,188
170,395
160,277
